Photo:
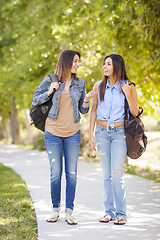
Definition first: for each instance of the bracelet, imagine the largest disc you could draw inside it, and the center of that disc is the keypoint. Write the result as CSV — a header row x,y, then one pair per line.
x,y
86,102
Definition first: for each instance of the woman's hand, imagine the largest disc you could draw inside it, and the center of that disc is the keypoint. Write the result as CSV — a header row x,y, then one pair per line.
x,y
126,88
89,95
92,143
54,86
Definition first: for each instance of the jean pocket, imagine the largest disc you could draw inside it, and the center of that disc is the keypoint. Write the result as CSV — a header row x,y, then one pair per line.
x,y
98,129
120,130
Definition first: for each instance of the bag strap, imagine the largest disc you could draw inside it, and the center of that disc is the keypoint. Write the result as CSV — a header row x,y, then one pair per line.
x,y
132,83
126,107
140,111
126,103
126,110
54,78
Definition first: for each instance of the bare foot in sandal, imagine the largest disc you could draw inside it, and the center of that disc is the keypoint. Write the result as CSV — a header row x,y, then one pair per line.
x,y
106,219
70,220
120,221
54,217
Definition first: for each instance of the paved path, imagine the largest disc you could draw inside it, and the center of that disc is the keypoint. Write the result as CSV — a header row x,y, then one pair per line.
x,y
143,198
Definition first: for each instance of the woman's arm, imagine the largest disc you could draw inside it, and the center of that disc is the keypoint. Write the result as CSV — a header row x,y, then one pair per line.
x,y
131,95
92,121
84,100
83,109
44,91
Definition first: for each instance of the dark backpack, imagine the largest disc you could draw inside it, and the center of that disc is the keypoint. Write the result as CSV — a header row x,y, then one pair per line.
x,y
134,130
39,113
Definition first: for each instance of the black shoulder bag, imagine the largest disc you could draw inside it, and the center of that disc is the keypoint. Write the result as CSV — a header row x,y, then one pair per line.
x,y
39,113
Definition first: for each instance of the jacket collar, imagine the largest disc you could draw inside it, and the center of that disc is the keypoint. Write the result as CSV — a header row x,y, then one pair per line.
x,y
74,81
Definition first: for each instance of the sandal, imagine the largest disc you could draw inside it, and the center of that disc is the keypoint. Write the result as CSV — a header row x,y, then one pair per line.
x,y
70,220
120,221
106,219
54,217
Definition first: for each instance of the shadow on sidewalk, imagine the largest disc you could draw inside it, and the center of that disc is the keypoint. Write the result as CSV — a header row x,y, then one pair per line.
x,y
143,202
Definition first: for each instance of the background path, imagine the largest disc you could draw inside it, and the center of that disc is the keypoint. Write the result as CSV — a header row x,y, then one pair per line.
x,y
143,200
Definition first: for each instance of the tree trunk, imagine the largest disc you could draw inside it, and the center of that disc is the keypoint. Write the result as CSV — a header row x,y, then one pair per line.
x,y
14,123
29,139
3,129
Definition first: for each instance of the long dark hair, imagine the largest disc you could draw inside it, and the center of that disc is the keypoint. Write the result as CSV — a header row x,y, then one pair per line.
x,y
64,64
119,72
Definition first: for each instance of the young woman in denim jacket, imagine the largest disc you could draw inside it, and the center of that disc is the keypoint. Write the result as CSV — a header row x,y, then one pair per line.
x,y
108,114
62,128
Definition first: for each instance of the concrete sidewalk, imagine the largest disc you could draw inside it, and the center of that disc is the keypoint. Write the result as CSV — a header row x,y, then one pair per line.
x,y
143,200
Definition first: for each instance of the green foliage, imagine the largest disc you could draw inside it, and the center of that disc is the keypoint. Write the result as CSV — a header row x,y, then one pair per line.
x,y
39,143
17,216
147,173
33,33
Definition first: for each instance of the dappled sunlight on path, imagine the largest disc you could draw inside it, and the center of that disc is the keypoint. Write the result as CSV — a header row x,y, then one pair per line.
x,y
143,200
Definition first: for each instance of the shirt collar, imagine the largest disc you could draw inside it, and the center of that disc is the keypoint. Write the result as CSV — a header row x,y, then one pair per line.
x,y
116,86
107,85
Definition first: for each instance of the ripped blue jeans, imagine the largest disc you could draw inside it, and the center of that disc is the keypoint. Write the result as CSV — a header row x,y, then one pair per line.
x,y
112,149
56,146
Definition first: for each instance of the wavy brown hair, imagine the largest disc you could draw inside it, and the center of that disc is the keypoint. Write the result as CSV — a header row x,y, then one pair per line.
x,y
119,71
64,64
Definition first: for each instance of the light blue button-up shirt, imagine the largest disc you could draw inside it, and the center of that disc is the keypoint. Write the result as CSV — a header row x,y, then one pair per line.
x,y
112,108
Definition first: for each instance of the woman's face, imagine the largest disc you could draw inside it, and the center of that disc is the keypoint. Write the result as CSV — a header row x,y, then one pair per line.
x,y
75,64
108,67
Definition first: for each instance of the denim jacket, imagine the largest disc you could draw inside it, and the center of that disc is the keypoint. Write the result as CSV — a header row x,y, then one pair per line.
x,y
77,91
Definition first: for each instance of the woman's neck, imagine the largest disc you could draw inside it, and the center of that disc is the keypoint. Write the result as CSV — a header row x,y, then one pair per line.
x,y
68,81
68,78
112,81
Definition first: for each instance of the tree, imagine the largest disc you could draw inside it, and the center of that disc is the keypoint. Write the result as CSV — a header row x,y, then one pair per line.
x,y
33,33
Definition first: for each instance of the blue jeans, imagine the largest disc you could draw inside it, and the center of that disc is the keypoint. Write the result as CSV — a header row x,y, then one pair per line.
x,y
112,149
56,146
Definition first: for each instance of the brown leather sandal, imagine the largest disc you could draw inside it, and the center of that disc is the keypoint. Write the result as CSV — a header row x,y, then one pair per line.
x,y
106,219
120,221
54,217
70,220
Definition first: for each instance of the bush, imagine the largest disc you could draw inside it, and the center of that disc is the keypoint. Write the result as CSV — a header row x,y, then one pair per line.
x,y
39,144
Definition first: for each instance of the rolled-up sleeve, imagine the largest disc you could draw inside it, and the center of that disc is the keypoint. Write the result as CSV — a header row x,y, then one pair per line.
x,y
40,95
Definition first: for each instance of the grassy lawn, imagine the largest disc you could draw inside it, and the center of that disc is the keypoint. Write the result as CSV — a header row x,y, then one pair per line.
x,y
147,172
148,165
17,215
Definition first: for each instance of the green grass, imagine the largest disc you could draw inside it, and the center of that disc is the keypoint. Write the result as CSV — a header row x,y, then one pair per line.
x,y
17,215
147,172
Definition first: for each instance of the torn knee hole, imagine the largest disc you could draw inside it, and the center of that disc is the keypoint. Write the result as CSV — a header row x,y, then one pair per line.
x,y
116,171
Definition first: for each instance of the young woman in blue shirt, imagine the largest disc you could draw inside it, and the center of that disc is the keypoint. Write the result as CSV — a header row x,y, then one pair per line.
x,y
108,114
